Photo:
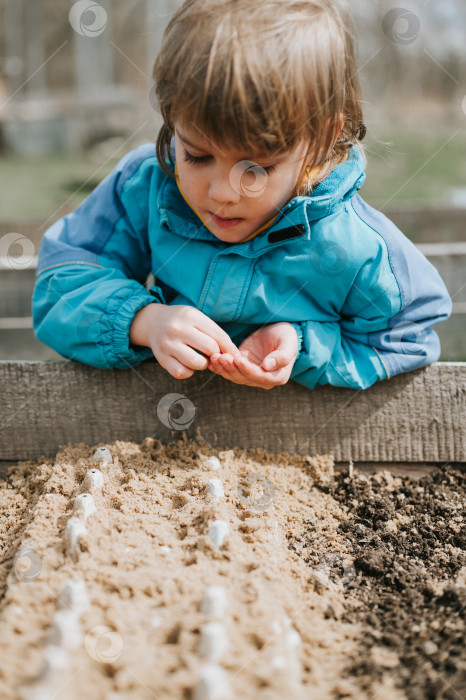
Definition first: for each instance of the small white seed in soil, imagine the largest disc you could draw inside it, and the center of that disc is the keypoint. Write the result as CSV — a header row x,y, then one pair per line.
x,y
94,480
293,645
74,596
54,658
213,642
214,601
430,648
279,662
212,463
37,694
216,488
213,685
218,531
66,630
15,610
84,505
75,529
165,549
102,455
293,641
45,692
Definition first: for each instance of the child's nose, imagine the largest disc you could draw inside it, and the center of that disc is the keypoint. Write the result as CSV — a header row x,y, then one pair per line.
x,y
222,190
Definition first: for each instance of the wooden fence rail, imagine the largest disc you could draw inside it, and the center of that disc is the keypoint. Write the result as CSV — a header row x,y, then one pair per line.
x,y
417,417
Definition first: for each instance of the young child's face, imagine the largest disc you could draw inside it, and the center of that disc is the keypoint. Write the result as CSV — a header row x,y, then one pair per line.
x,y
227,189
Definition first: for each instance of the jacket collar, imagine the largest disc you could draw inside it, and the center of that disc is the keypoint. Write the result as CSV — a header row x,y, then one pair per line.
x,y
291,221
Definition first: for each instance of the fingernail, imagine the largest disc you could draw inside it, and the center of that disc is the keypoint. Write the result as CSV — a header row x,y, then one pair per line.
x,y
270,363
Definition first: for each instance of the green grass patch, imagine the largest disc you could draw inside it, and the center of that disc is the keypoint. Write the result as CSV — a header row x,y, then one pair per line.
x,y
33,189
414,166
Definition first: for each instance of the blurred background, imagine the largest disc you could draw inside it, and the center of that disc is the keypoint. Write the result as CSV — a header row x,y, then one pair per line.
x,y
75,82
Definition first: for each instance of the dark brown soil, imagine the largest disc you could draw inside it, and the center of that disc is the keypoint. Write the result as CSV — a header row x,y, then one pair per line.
x,y
406,583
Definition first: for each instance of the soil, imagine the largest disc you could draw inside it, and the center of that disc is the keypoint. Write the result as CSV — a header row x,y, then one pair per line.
x,y
408,538
369,571
409,542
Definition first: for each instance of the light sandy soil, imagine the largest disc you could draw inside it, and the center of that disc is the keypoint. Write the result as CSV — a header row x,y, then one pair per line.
x,y
140,636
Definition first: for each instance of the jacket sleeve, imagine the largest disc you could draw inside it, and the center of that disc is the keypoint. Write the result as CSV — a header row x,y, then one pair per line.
x,y
92,267
385,325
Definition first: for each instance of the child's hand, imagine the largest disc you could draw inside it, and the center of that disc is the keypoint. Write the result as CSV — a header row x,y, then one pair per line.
x,y
252,366
174,333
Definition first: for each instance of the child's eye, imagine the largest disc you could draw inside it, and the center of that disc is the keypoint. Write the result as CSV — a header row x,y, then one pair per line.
x,y
198,160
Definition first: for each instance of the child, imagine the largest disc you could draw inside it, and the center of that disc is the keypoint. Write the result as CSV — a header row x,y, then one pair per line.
x,y
268,265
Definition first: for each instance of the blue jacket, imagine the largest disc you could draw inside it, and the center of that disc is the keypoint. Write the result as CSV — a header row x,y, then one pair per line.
x,y
362,297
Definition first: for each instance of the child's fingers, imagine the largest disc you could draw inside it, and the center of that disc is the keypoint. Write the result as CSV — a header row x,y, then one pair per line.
x,y
214,364
219,367
249,369
241,371
224,341
226,369
230,369
253,375
178,370
276,360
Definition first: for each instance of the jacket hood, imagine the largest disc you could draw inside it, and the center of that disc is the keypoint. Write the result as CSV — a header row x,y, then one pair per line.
x,y
340,185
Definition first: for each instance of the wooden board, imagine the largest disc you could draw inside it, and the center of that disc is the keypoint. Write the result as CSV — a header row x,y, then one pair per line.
x,y
419,416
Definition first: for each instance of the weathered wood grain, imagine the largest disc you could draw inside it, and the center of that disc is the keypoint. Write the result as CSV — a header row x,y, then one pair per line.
x,y
415,417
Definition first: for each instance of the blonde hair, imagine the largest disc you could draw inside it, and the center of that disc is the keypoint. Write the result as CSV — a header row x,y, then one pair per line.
x,y
261,75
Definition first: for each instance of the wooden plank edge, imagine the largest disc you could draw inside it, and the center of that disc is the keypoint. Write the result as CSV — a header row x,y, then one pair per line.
x,y
412,469
67,361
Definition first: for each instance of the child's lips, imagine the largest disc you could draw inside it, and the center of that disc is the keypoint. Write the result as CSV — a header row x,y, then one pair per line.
x,y
225,222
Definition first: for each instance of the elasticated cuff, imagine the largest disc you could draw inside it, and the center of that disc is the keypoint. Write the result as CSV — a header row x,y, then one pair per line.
x,y
119,353
299,330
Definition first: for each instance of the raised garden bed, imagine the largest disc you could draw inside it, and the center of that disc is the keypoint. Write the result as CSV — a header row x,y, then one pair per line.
x,y
329,522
